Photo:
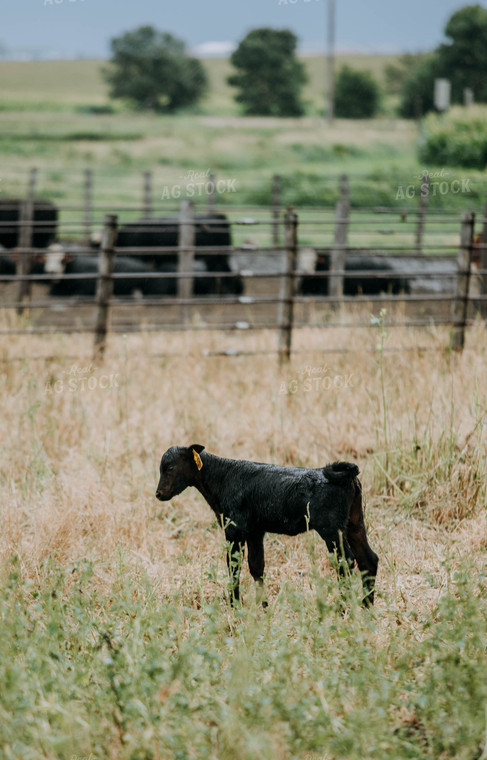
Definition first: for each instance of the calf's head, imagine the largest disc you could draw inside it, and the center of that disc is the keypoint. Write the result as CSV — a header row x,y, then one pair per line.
x,y
178,469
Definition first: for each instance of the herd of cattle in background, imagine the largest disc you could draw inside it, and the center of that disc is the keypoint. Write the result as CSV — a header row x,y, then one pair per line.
x,y
55,258
61,258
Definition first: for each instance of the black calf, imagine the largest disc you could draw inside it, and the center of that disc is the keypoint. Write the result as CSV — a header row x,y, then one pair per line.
x,y
251,499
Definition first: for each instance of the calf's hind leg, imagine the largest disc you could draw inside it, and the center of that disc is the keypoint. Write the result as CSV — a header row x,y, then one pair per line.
x,y
255,546
367,559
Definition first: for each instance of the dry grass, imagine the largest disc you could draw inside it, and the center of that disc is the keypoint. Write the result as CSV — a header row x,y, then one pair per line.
x,y
80,464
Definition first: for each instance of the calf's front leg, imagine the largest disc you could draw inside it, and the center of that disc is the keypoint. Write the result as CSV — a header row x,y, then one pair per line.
x,y
235,550
337,542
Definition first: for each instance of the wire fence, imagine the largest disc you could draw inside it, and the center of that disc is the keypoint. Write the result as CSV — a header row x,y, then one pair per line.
x,y
268,269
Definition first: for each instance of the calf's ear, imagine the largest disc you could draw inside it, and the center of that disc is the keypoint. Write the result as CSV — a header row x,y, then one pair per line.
x,y
195,453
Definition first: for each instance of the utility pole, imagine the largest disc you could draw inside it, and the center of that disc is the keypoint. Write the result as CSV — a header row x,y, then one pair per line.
x,y
330,109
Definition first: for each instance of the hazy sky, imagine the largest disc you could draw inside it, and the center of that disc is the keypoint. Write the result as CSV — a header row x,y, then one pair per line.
x,y
69,28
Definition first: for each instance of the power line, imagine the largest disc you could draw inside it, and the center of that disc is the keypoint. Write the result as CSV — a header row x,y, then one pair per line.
x,y
330,109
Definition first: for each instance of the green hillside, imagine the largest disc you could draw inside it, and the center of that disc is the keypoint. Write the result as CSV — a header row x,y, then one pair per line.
x,y
67,84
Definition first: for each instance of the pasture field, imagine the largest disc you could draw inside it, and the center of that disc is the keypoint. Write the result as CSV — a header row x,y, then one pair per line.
x,y
244,153
49,120
116,638
66,85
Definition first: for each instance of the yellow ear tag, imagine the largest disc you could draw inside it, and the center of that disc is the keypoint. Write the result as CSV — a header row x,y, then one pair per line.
x,y
197,459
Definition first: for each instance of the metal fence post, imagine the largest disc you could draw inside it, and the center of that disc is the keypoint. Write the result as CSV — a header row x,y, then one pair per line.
x,y
460,304
276,206
104,287
186,257
288,284
211,193
147,195
423,207
24,261
339,250
88,205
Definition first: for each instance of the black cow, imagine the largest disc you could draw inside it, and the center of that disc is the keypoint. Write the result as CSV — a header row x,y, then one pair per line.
x,y
44,228
210,232
7,265
202,286
88,264
356,285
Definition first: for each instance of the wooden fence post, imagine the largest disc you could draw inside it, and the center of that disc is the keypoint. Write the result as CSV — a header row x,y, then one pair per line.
x,y
288,284
104,287
276,206
483,265
147,195
88,205
186,257
24,261
423,207
211,193
460,304
338,251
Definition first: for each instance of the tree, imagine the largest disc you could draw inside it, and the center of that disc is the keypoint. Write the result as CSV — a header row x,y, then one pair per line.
x,y
151,70
418,89
269,76
397,73
357,94
462,60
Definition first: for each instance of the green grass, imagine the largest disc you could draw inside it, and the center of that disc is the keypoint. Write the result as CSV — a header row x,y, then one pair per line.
x,y
378,156
126,673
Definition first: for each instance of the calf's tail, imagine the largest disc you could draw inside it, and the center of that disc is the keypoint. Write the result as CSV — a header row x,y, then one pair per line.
x,y
340,473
